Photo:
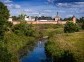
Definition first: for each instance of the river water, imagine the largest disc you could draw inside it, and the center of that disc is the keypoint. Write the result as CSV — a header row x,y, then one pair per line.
x,y
37,55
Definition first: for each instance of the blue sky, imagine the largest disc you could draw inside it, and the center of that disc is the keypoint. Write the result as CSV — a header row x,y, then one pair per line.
x,y
66,8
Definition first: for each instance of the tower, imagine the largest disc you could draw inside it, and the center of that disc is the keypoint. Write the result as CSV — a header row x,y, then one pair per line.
x,y
57,18
57,13
74,19
39,14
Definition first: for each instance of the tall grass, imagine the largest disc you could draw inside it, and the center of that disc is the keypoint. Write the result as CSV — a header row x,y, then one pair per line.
x,y
66,47
15,43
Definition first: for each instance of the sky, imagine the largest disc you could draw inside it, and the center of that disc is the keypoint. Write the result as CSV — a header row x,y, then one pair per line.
x,y
65,8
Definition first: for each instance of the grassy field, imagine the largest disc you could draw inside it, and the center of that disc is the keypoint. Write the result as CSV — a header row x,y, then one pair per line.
x,y
69,43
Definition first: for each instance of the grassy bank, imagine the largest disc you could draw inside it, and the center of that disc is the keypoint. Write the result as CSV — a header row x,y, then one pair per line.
x,y
67,47
16,43
20,39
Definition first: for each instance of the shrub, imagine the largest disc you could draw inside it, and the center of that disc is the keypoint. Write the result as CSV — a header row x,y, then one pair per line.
x,y
23,28
82,25
5,56
71,27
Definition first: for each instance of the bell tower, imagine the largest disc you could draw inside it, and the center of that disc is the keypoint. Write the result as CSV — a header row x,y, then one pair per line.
x,y
57,18
74,19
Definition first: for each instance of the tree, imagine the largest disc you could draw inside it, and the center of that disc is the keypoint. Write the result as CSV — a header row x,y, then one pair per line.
x,y
80,20
4,12
69,19
83,25
21,17
5,56
4,15
71,27
15,18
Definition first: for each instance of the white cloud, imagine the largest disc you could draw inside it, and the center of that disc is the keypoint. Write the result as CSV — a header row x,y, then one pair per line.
x,y
70,15
47,10
28,10
6,1
71,5
13,6
35,13
16,6
66,3
9,4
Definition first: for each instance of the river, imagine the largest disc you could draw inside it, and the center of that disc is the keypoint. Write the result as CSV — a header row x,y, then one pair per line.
x,y
37,55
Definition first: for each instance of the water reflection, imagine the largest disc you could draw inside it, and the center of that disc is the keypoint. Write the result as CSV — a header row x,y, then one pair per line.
x,y
37,55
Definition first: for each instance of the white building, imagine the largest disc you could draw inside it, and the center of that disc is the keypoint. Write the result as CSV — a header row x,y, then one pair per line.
x,y
57,18
26,18
29,18
10,19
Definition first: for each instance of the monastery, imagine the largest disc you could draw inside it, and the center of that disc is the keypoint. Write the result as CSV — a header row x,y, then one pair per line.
x,y
32,20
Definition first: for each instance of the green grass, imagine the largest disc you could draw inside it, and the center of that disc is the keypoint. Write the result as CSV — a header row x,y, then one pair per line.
x,y
15,43
72,42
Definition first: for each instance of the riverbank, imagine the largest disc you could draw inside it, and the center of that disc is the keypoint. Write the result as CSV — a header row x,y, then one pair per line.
x,y
20,39
66,47
16,44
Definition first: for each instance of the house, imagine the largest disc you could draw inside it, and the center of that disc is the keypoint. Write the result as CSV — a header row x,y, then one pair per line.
x,y
29,18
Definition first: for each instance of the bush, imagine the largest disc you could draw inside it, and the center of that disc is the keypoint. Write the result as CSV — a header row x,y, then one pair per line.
x,y
83,25
23,28
5,56
71,27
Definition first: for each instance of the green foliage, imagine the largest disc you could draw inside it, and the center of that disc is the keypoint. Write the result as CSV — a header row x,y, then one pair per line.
x,y
80,20
4,14
82,25
23,28
17,43
15,18
21,17
67,19
66,56
49,26
71,27
5,56
67,47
